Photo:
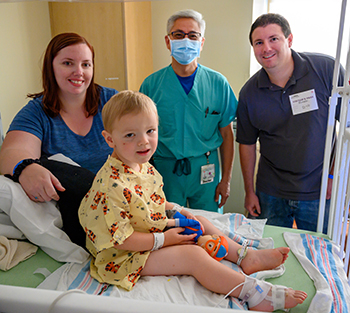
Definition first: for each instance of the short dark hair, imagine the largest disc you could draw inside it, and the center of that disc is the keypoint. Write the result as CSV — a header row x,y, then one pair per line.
x,y
267,19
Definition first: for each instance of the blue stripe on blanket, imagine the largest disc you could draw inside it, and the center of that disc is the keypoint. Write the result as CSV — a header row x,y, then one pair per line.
x,y
235,304
319,252
90,285
237,220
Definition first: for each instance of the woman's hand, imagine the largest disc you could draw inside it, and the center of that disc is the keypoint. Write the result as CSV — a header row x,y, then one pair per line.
x,y
39,183
173,237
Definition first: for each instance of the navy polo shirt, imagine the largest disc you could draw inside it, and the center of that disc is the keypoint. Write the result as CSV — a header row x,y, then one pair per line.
x,y
291,146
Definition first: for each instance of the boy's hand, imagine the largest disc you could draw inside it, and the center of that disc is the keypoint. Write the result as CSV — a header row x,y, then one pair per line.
x,y
190,216
173,237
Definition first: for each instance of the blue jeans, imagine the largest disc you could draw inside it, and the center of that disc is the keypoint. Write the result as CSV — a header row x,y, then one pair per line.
x,y
282,212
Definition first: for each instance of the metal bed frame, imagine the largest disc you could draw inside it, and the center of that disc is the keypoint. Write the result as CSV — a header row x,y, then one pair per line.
x,y
340,199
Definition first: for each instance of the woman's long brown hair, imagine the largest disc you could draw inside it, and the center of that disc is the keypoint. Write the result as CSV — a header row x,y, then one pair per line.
x,y
51,101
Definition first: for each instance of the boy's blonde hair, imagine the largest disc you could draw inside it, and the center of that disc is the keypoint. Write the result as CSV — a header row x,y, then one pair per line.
x,y
126,102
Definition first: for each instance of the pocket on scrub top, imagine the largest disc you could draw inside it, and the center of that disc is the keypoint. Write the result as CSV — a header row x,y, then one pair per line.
x,y
210,125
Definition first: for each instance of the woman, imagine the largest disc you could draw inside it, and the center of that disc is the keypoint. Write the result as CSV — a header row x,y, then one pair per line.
x,y
64,118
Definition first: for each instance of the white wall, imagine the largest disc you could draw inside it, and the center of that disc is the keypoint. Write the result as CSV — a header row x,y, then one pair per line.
x,y
25,32
26,26
322,24
226,48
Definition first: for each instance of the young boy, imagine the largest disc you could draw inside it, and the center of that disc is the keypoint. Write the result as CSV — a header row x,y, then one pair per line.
x,y
124,217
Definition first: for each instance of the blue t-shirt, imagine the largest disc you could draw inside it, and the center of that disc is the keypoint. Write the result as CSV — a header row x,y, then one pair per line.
x,y
90,151
187,81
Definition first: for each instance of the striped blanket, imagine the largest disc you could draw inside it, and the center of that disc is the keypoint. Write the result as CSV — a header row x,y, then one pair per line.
x,y
321,259
174,289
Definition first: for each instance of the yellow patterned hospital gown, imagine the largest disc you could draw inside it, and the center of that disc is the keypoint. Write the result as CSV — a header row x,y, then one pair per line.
x,y
120,202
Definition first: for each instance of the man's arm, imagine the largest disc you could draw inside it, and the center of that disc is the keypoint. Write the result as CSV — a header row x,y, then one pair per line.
x,y
227,155
247,154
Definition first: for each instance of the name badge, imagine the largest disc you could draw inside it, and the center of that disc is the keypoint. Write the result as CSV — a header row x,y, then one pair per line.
x,y
207,173
303,102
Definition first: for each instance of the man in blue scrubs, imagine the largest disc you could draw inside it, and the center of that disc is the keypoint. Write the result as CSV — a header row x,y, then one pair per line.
x,y
196,107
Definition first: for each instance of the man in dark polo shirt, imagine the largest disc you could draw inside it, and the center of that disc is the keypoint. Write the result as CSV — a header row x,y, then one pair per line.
x,y
285,106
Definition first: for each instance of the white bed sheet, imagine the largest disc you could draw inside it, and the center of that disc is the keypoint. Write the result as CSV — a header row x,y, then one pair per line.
x,y
40,223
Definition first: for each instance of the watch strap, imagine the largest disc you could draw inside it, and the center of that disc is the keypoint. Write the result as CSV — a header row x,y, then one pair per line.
x,y
20,166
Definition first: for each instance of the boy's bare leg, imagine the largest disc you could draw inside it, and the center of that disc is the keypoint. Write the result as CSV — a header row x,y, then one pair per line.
x,y
194,261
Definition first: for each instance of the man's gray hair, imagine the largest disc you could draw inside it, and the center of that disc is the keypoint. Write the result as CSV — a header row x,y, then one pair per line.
x,y
186,14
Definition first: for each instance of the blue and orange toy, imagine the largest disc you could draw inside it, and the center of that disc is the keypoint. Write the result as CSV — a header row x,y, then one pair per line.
x,y
191,226
216,246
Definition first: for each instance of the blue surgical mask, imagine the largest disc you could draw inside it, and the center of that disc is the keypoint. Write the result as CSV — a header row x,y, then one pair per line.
x,y
185,50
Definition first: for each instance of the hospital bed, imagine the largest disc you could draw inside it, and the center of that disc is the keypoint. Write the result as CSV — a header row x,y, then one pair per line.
x,y
36,283
56,278
27,288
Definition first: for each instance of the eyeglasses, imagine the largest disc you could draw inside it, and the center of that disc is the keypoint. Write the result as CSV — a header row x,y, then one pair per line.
x,y
179,34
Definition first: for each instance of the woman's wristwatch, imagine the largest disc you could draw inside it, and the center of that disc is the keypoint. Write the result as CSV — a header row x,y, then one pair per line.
x,y
20,166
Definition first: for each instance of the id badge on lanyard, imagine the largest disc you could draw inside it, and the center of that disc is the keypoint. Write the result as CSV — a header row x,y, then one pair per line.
x,y
207,171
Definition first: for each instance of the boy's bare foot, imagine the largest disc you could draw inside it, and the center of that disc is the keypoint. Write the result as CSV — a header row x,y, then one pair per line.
x,y
265,259
292,299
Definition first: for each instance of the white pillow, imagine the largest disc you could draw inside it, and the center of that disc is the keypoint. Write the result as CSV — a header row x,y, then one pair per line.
x,y
39,222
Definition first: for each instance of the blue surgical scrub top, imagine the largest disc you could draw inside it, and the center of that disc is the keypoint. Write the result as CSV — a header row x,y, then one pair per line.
x,y
189,123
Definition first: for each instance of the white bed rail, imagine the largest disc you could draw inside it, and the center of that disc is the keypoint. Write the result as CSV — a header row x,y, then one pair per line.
x,y
340,199
340,205
30,300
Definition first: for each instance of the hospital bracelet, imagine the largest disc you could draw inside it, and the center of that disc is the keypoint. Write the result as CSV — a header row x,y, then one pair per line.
x,y
158,241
